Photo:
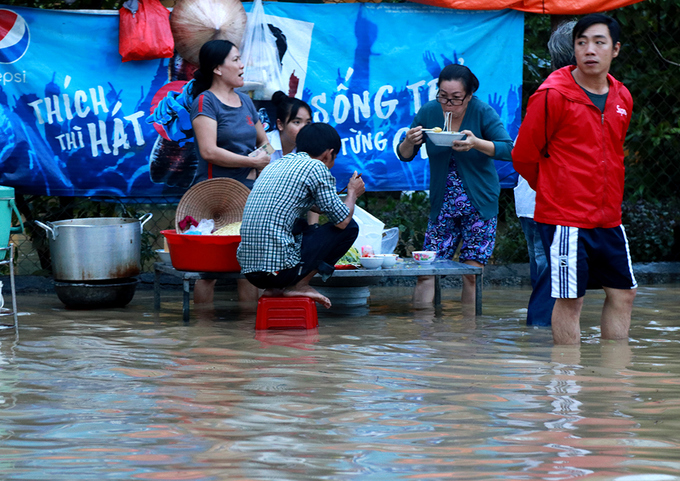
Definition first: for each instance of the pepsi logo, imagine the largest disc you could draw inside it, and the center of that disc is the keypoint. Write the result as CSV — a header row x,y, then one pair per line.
x,y
14,36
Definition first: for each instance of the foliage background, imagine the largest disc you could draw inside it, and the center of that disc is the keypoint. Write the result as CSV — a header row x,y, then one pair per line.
x,y
649,65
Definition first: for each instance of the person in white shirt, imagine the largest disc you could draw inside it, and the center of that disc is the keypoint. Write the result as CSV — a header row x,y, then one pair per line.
x,y
291,115
539,313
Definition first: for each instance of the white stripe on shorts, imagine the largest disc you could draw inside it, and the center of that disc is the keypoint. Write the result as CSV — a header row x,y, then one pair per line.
x,y
563,263
630,262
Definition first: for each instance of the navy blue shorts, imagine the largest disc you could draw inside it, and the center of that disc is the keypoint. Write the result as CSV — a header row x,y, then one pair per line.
x,y
581,259
322,246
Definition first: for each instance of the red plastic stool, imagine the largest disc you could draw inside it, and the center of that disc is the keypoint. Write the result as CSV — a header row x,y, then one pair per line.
x,y
286,313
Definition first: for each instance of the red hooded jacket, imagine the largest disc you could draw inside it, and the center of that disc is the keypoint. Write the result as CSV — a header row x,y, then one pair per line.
x,y
572,154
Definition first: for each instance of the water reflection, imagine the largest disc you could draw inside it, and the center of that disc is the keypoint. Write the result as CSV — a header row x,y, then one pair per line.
x,y
390,393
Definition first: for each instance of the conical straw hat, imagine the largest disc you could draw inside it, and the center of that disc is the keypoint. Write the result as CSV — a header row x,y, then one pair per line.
x,y
220,199
194,22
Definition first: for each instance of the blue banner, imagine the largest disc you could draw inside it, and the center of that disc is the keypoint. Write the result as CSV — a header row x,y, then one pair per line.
x,y
72,115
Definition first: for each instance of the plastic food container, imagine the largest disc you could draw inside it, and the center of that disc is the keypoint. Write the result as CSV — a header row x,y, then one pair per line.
x,y
203,253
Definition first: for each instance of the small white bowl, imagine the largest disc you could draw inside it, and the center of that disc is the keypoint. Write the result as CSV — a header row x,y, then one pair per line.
x,y
163,256
371,262
424,257
388,259
444,139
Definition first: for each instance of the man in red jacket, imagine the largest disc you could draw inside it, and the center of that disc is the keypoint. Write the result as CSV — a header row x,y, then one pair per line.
x,y
570,150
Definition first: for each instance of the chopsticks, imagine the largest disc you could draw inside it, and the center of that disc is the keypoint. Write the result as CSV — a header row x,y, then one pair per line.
x,y
345,187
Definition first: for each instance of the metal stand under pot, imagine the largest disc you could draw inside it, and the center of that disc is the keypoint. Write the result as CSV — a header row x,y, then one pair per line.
x,y
95,261
8,261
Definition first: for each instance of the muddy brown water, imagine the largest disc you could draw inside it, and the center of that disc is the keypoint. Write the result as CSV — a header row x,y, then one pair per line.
x,y
379,393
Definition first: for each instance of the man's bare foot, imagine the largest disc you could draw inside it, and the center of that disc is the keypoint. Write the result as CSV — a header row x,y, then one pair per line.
x,y
272,292
307,291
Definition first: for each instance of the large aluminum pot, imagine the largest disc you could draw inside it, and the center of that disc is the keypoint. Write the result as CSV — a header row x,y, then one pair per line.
x,y
96,248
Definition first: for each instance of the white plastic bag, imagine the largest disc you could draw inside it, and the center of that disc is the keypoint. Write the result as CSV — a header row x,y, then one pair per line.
x,y
204,227
390,239
260,56
370,230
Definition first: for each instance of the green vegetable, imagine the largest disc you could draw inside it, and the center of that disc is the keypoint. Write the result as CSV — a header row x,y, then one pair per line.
x,y
351,257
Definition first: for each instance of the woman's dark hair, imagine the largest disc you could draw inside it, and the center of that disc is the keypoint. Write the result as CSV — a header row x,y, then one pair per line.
x,y
461,73
287,107
317,138
593,19
212,54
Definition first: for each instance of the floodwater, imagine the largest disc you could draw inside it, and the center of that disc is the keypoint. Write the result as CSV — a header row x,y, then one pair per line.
x,y
383,393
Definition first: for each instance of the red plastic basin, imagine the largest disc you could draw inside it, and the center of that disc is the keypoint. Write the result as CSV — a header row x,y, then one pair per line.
x,y
203,253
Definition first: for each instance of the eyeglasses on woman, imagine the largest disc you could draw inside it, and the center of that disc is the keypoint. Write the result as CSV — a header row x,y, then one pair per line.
x,y
454,101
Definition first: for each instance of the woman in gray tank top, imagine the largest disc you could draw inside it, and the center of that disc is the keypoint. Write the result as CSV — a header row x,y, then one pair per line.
x,y
227,129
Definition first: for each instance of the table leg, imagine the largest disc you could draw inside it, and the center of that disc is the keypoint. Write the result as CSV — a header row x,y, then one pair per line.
x,y
478,294
437,291
13,287
157,290
186,284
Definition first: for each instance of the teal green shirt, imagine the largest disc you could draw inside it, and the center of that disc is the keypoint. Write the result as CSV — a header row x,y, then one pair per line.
x,y
476,170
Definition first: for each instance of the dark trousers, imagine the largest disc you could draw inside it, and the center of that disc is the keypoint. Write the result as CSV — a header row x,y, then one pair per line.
x,y
540,303
322,247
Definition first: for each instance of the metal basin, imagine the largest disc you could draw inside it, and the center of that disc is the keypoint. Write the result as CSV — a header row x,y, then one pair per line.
x,y
96,295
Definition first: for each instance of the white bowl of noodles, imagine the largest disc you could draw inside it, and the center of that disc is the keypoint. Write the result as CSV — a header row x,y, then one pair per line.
x,y
444,139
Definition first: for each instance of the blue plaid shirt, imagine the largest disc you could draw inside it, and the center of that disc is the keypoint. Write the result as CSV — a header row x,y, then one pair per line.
x,y
285,191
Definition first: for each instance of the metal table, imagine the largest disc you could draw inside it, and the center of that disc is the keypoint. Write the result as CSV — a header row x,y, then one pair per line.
x,y
407,268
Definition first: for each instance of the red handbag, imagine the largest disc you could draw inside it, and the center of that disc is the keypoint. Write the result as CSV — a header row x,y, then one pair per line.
x,y
145,34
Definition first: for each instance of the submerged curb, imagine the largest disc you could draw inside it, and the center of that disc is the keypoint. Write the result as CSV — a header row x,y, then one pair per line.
x,y
517,275
506,275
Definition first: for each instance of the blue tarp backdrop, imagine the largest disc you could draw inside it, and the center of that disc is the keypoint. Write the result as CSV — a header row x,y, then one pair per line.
x,y
72,115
